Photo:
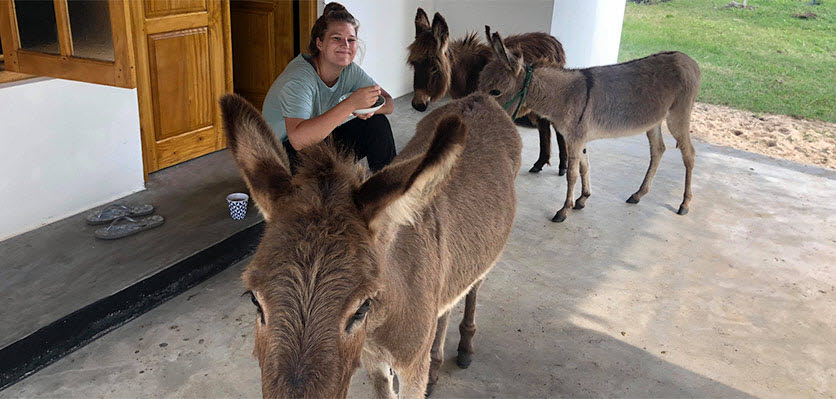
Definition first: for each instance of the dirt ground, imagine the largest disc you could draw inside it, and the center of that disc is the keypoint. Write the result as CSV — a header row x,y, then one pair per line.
x,y
811,142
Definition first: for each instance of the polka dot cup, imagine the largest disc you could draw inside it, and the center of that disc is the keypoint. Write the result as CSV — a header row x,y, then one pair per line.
x,y
237,205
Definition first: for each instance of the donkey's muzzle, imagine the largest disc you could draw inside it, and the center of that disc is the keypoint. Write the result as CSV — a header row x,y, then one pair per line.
x,y
420,107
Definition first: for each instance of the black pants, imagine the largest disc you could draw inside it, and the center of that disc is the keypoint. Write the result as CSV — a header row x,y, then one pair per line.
x,y
370,138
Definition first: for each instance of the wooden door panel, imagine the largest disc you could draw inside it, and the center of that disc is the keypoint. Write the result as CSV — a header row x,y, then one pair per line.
x,y
181,49
161,8
186,146
181,85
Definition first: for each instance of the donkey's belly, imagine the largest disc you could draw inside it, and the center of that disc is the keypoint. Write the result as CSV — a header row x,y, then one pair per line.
x,y
621,131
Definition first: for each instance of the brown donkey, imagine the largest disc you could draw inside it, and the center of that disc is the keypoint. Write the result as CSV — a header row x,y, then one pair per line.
x,y
605,102
356,268
440,66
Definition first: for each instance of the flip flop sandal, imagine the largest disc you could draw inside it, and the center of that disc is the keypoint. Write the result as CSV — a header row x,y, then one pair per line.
x,y
115,211
125,226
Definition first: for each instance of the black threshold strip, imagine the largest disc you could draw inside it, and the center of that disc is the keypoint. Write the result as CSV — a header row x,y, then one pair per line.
x,y
62,337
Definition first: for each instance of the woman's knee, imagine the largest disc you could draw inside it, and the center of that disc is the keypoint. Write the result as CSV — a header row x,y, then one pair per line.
x,y
379,122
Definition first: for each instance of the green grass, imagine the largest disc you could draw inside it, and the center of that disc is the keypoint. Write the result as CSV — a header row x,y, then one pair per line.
x,y
763,60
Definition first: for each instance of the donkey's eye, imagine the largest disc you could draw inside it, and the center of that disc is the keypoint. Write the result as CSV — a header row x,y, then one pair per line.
x,y
359,315
257,306
494,92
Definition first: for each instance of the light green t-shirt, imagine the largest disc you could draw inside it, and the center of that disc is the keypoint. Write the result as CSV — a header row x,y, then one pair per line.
x,y
299,93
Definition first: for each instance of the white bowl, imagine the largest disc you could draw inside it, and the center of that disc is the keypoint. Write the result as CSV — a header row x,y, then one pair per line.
x,y
377,104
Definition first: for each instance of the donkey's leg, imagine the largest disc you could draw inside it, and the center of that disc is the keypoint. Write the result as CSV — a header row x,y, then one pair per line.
x,y
561,148
657,148
413,379
379,374
437,351
585,187
467,329
574,152
679,123
545,145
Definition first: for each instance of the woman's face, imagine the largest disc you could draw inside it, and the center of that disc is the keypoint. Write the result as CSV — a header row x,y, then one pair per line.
x,y
339,44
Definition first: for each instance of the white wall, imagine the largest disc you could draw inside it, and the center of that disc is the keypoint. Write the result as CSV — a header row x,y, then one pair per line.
x,y
590,30
503,16
66,147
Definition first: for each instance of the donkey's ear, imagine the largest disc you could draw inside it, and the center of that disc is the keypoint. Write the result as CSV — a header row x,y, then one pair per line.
x,y
422,22
488,33
398,193
262,161
502,52
440,30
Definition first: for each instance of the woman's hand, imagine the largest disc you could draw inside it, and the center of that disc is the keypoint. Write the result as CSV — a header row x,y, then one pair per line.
x,y
364,97
363,116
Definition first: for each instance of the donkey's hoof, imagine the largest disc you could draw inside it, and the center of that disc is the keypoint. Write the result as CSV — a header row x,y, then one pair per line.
x,y
535,169
578,205
633,199
561,171
558,218
682,210
463,360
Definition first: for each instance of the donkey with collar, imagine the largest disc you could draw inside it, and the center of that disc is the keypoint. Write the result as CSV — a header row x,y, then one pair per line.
x,y
603,102
357,268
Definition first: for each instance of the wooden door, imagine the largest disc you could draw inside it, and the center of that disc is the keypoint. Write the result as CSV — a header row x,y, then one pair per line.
x,y
262,43
182,69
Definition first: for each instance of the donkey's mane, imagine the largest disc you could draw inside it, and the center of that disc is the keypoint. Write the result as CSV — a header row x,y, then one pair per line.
x,y
470,40
469,46
325,175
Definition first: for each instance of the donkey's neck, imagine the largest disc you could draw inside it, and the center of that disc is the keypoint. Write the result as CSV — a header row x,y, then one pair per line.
x,y
554,93
467,56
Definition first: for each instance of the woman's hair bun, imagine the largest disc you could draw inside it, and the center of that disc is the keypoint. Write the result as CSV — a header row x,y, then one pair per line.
x,y
334,7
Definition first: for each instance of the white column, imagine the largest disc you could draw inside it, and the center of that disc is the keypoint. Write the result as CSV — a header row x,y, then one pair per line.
x,y
590,30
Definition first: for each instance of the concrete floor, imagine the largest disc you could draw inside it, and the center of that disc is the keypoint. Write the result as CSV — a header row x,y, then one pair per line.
x,y
735,299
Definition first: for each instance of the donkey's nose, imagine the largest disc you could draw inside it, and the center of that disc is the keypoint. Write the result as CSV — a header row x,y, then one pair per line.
x,y
420,107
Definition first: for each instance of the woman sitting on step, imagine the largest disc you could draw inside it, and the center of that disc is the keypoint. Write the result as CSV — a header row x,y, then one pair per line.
x,y
303,105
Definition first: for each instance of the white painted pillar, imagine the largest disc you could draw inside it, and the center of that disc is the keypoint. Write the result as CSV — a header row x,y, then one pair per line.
x,y
590,30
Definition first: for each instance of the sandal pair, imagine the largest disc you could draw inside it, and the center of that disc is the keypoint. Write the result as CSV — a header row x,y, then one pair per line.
x,y
123,220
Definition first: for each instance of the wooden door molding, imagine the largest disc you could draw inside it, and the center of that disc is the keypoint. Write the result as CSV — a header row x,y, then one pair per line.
x,y
181,69
307,17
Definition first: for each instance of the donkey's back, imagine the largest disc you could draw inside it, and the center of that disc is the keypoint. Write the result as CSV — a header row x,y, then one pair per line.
x,y
537,45
635,95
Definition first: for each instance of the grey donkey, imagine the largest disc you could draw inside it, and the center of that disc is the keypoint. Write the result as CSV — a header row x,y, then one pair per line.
x,y
604,102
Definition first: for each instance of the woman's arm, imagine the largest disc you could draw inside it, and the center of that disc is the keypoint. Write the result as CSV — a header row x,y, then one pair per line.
x,y
304,132
389,107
